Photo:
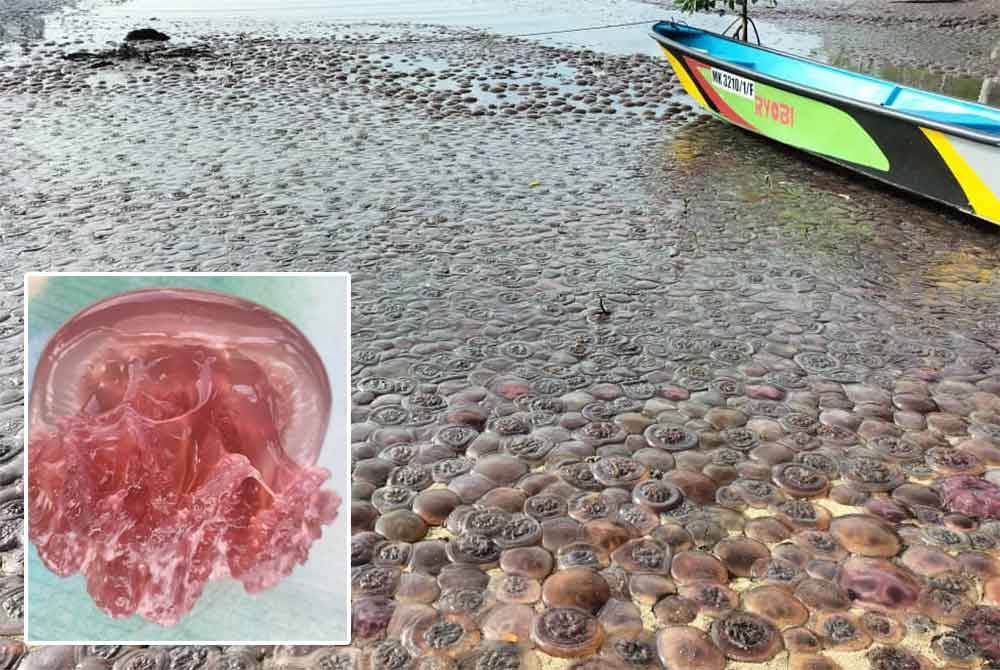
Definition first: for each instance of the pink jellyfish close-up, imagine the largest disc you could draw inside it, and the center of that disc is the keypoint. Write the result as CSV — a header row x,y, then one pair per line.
x,y
174,435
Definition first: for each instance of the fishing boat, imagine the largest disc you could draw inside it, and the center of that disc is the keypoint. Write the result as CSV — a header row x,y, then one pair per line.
x,y
932,145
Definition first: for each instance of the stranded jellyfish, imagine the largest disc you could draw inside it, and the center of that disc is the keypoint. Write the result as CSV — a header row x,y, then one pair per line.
x,y
174,436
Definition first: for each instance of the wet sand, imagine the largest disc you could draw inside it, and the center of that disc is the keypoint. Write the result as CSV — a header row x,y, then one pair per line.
x,y
615,364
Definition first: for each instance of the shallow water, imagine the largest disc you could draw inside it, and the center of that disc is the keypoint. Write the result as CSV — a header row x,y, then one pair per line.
x,y
102,21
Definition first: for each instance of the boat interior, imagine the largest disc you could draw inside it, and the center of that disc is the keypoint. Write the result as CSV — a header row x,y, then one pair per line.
x,y
903,99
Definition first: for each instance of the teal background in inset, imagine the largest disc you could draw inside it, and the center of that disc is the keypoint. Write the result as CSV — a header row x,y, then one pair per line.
x,y
310,605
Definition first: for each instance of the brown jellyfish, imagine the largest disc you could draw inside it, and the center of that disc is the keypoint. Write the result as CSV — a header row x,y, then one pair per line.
x,y
434,505
875,582
822,595
449,635
872,474
606,534
801,640
474,549
509,622
955,649
473,601
982,626
392,553
387,655
776,604
545,506
841,631
895,658
643,555
882,627
617,580
800,481
374,580
848,494
926,560
406,615
980,564
743,636
504,469
582,555
692,566
501,655
820,568
887,509
596,663
705,531
505,497
866,535
675,609
370,618
820,544
800,514
794,553
640,519
634,651
739,554
960,523
559,532
948,461
576,587
567,632
462,576
991,590
695,486
812,662
422,663
363,547
417,587
531,562
648,588
620,617
363,516
687,648
674,535
912,494
657,495
756,493
767,529
619,471
589,506
517,589
777,571
944,603
711,597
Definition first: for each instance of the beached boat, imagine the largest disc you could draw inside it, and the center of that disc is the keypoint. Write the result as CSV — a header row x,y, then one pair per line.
x,y
933,145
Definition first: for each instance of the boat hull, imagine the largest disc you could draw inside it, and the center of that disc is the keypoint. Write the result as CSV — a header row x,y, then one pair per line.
x,y
926,161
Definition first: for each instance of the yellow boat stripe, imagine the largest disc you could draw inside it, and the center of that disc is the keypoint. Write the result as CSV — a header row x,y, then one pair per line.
x,y
984,202
685,78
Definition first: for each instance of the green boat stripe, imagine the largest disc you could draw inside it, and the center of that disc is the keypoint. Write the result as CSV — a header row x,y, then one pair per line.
x,y
799,121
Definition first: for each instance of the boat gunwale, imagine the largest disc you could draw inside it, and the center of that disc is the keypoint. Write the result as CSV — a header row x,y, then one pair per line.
x,y
952,129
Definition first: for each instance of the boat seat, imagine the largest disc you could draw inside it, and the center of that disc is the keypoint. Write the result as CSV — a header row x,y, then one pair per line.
x,y
893,94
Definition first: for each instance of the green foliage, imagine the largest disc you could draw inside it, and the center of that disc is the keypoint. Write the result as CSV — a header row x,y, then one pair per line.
x,y
710,5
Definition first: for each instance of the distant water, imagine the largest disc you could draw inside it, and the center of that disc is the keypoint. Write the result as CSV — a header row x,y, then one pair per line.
x,y
104,20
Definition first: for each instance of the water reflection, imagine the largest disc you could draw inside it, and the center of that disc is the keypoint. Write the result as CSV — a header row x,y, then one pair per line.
x,y
976,89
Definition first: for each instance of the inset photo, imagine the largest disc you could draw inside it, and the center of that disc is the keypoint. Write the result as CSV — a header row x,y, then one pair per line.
x,y
187,460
